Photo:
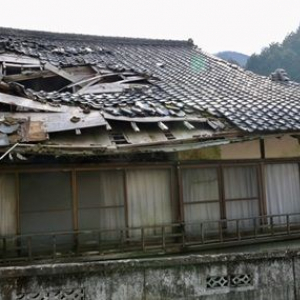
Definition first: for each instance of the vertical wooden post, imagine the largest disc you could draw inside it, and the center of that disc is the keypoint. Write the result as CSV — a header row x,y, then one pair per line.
x,y
75,210
143,239
238,229
288,224
262,149
221,193
17,187
29,247
262,184
126,204
173,198
163,238
202,233
181,205
4,247
180,195
54,245
74,200
18,222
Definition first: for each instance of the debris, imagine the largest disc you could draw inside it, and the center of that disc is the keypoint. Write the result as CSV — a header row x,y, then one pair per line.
x,y
279,75
20,156
9,150
188,125
4,141
34,131
75,119
162,126
134,127
77,131
8,129
160,65
86,110
10,121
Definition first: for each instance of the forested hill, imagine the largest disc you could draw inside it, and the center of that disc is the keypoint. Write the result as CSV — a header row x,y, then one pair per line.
x,y
285,56
234,57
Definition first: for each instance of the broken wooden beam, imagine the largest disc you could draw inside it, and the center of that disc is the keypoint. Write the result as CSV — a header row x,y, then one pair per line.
x,y
78,131
32,75
188,125
61,72
33,131
108,127
27,103
162,126
19,59
134,127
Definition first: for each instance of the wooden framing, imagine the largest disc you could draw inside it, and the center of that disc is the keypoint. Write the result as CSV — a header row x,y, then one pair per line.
x,y
262,148
125,199
74,199
27,103
168,167
180,194
17,184
175,169
219,166
121,165
221,193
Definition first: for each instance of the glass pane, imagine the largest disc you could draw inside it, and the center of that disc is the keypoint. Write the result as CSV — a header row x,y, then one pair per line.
x,y
40,222
45,202
239,210
149,199
103,219
8,219
200,184
283,190
197,213
240,182
45,191
96,190
100,188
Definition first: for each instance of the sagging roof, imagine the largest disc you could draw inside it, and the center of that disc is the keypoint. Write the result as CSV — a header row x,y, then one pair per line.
x,y
139,91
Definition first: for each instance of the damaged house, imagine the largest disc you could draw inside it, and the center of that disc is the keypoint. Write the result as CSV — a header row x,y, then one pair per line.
x,y
121,146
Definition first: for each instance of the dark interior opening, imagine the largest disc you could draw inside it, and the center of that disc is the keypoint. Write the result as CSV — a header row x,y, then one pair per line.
x,y
110,78
49,84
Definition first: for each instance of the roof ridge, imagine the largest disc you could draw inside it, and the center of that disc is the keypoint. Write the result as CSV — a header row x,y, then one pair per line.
x,y
87,37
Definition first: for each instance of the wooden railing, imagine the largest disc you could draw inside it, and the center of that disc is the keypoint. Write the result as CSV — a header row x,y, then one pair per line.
x,y
147,240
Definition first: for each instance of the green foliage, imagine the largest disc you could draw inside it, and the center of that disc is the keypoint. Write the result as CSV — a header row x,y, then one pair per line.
x,y
285,56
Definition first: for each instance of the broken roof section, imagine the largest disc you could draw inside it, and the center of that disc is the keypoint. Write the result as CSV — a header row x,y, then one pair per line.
x,y
66,82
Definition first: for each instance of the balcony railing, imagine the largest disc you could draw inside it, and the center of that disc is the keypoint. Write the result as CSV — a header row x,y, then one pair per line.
x,y
137,241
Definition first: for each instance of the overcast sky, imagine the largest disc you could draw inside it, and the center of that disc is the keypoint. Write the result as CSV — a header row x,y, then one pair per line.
x,y
215,25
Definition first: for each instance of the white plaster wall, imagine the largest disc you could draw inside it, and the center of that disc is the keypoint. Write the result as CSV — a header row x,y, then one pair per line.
x,y
242,150
283,147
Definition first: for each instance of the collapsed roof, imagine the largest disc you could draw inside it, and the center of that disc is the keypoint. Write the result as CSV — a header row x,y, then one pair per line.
x,y
125,94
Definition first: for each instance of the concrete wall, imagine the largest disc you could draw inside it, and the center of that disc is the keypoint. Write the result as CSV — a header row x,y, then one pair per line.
x,y
272,276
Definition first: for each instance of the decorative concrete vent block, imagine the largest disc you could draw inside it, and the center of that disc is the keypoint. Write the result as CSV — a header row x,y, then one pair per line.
x,y
234,281
241,280
73,294
217,282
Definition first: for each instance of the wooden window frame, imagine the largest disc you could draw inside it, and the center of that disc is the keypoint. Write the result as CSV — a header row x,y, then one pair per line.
x,y
176,187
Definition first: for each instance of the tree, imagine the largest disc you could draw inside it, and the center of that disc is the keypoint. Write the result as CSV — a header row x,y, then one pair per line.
x,y
284,56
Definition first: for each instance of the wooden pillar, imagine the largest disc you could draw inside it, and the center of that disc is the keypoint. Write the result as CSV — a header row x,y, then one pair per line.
x,y
74,199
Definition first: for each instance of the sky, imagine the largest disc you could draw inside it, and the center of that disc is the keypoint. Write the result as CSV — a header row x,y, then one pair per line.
x,y
214,25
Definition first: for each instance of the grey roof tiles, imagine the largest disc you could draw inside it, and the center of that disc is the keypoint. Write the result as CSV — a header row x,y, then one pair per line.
x,y
181,79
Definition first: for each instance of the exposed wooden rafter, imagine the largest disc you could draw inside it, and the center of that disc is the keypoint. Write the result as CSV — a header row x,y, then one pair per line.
x,y
27,103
